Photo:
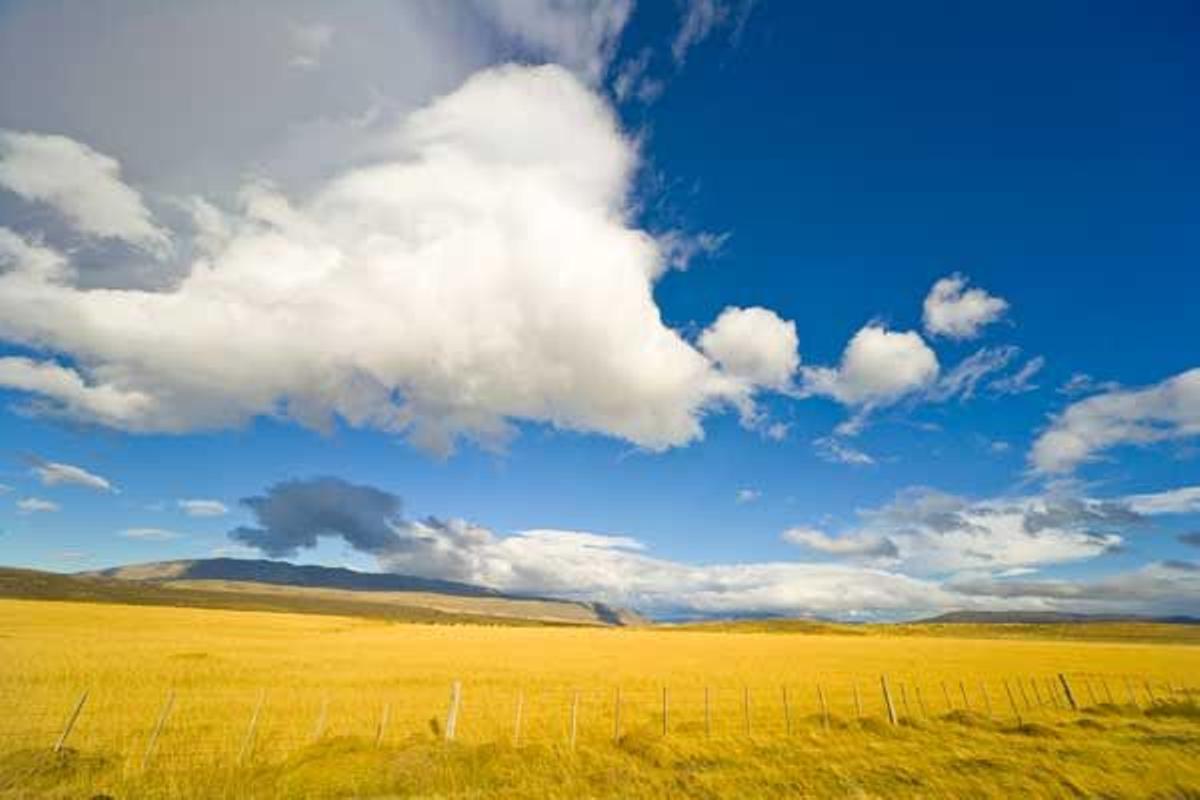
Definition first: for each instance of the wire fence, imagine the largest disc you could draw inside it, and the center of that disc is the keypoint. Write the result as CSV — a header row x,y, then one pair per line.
x,y
193,728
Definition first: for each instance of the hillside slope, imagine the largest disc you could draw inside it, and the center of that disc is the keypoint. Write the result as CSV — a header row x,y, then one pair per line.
x,y
279,586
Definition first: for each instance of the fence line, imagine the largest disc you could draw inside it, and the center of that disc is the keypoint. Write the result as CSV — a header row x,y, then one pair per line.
x,y
280,726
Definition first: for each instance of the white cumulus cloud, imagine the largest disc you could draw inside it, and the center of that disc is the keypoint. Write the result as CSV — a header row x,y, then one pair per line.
x,y
753,344
954,311
482,270
878,368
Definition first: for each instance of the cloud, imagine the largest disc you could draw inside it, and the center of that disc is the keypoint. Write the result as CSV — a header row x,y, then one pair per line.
x,y
35,505
5,488
878,368
1162,412
54,474
149,534
905,558
1019,381
633,81
936,533
425,294
203,508
1191,538
701,18
954,311
1184,500
309,43
1081,383
1158,587
748,496
83,185
580,34
61,391
754,345
617,569
837,451
851,546
963,380
292,515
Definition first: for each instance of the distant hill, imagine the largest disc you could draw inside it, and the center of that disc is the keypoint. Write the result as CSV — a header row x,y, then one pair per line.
x,y
284,573
279,586
1045,618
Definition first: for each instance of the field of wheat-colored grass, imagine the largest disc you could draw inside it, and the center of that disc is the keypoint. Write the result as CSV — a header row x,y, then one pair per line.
x,y
266,705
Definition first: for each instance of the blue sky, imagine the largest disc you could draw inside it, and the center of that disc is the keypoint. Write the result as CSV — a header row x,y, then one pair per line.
x,y
675,305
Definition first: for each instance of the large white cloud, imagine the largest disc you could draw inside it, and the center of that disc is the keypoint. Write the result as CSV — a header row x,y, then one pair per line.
x,y
482,270
1165,411
84,185
953,310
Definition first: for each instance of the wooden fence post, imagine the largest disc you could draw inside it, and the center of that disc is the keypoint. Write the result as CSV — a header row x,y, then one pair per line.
x,y
946,694
1037,693
887,699
857,702
824,707
904,700
1107,691
248,742
1013,702
1087,684
962,687
517,714
383,723
1067,689
70,723
158,726
665,712
920,701
1052,690
452,711
1150,692
787,713
746,708
987,700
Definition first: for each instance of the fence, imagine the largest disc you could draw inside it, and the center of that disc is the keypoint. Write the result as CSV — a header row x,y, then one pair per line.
x,y
239,727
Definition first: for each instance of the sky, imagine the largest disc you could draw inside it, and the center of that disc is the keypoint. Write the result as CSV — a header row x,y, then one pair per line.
x,y
707,307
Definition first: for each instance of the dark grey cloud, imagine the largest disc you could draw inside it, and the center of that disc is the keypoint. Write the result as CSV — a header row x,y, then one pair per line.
x,y
293,515
1076,513
1192,538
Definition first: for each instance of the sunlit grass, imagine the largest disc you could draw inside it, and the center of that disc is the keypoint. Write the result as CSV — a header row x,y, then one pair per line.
x,y
358,707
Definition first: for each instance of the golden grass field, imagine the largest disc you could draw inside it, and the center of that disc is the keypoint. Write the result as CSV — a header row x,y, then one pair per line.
x,y
324,684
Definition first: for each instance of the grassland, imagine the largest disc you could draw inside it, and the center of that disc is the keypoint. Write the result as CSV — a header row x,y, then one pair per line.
x,y
357,707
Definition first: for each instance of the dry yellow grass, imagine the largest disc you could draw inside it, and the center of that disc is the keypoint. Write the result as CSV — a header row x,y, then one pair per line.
x,y
324,683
